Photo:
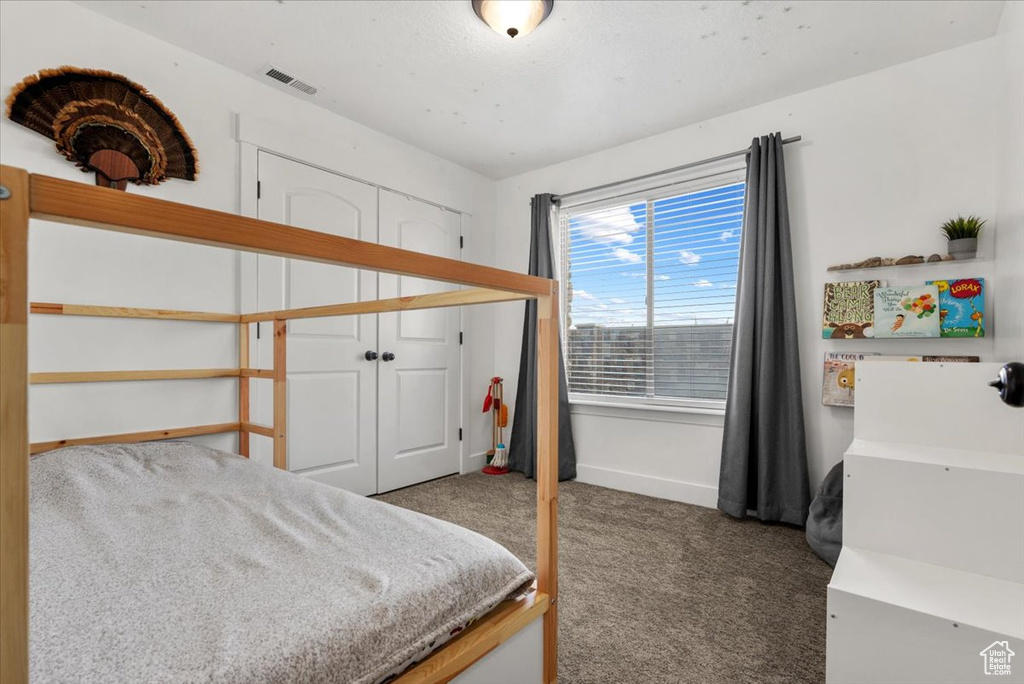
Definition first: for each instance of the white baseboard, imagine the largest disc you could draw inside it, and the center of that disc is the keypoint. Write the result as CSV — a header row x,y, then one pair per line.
x,y
473,463
648,485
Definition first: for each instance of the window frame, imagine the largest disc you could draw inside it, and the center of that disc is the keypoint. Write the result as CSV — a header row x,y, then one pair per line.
x,y
727,174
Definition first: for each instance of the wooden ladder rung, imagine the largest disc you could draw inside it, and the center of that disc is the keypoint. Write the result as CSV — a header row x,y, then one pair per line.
x,y
131,375
257,373
130,312
132,437
258,429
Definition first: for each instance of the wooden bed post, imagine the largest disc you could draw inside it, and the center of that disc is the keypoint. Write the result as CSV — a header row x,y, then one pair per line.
x,y
547,472
243,389
14,216
280,395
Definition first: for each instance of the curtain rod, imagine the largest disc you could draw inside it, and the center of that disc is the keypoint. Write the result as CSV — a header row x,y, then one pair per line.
x,y
709,160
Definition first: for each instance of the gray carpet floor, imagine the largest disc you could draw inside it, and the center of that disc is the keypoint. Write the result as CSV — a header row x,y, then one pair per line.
x,y
652,590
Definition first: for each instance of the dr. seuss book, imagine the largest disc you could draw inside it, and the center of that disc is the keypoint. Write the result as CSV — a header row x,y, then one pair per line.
x,y
907,311
848,311
837,388
961,307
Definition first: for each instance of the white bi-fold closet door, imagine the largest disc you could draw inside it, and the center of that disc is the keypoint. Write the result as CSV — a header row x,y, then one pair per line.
x,y
372,399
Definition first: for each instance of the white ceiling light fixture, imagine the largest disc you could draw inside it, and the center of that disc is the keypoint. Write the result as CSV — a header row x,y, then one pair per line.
x,y
513,17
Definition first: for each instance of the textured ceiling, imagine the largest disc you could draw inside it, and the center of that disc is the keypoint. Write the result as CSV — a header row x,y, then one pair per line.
x,y
594,75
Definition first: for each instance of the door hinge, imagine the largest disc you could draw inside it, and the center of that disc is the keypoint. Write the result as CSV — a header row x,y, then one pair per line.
x,y
460,434
258,189
462,242
460,337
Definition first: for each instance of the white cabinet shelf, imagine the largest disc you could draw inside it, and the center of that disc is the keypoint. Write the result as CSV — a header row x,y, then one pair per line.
x,y
932,566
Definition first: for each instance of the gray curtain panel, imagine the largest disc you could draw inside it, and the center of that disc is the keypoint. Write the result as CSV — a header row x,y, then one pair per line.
x,y
764,453
522,451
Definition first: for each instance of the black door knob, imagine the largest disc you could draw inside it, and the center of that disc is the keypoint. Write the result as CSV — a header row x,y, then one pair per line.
x,y
387,356
1010,383
371,356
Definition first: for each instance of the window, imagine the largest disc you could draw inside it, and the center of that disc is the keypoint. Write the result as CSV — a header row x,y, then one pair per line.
x,y
649,293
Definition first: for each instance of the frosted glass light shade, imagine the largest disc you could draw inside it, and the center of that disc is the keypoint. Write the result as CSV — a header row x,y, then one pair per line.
x,y
513,17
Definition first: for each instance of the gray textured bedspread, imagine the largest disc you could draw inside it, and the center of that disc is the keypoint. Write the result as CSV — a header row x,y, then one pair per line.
x,y
171,562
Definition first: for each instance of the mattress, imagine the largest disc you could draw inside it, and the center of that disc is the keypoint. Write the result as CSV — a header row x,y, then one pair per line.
x,y
172,562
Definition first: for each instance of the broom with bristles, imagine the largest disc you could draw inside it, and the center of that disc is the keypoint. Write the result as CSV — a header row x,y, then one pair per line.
x,y
495,403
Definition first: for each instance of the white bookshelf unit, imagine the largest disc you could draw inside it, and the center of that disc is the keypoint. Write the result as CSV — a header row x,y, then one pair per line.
x,y
932,568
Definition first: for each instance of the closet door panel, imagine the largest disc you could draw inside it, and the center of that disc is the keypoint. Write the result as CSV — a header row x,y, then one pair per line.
x,y
324,429
332,402
310,284
424,421
419,390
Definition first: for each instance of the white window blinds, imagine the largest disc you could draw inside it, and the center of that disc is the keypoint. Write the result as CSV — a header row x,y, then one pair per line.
x,y
649,292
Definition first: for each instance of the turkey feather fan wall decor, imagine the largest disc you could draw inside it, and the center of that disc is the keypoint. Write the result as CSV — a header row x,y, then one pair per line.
x,y
104,122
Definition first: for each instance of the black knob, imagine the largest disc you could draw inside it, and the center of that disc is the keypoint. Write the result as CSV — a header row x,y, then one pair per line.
x,y
387,356
371,356
1010,384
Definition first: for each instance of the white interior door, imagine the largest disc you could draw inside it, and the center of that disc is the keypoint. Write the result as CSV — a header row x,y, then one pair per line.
x,y
332,395
418,389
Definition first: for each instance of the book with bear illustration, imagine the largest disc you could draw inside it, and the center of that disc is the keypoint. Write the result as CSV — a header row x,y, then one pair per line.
x,y
911,311
961,307
838,384
848,311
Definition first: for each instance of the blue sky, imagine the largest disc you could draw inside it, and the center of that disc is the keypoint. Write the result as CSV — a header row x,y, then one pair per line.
x,y
695,260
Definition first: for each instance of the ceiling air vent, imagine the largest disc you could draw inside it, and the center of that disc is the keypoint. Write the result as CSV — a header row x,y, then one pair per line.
x,y
289,80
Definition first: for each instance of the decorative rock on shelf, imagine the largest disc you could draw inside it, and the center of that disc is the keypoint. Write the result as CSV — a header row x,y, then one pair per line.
x,y
910,259
878,262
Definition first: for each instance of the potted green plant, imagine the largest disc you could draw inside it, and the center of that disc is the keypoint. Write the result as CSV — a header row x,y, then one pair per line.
x,y
962,234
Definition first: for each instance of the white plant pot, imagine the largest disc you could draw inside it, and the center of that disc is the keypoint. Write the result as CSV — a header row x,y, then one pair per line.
x,y
964,248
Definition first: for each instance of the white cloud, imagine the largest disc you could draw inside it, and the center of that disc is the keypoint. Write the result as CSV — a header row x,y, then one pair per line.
x,y
634,274
581,294
617,300
727,234
689,258
614,226
623,254
644,276
703,282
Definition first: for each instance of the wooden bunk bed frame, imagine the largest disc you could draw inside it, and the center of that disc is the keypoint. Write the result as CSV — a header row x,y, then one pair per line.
x,y
24,196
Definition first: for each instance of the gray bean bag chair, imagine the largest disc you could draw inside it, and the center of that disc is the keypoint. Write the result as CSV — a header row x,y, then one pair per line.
x,y
825,517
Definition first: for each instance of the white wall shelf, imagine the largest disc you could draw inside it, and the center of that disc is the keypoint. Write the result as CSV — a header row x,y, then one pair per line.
x,y
956,262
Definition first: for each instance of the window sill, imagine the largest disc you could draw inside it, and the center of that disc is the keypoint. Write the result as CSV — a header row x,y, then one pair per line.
x,y
653,412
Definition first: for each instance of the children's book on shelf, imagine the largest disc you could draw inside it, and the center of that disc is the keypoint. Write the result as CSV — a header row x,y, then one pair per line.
x,y
911,311
838,384
929,358
848,310
961,307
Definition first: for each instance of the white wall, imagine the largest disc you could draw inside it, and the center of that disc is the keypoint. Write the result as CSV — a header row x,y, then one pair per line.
x,y
885,158
88,267
1010,181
